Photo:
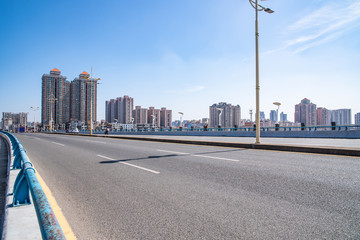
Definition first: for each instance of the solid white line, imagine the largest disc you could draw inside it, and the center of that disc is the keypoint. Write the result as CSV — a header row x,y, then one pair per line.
x,y
95,141
132,165
106,157
219,158
146,169
203,156
58,144
172,152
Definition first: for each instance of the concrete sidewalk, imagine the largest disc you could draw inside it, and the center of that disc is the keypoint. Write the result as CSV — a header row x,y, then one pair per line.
x,y
346,147
20,222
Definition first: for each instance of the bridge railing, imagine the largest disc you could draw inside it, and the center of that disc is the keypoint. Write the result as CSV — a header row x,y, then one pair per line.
x,y
27,182
239,129
222,129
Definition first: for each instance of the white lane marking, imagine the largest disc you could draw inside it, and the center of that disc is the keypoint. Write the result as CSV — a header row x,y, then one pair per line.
x,y
171,152
58,144
95,141
203,156
219,158
132,165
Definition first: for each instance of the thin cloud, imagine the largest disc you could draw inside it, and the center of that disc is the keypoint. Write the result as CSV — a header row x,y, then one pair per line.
x,y
323,25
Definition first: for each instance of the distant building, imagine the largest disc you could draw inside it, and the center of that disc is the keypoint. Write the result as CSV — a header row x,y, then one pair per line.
x,y
229,115
283,117
273,116
63,101
305,113
323,117
12,121
357,118
165,117
120,109
154,116
341,116
140,115
79,98
205,120
262,115
55,99
110,110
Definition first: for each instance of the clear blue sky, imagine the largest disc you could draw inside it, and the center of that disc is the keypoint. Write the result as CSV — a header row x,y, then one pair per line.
x,y
184,55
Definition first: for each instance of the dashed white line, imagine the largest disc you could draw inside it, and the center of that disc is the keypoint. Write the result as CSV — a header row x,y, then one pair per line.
x,y
131,165
58,144
173,152
95,141
203,156
219,158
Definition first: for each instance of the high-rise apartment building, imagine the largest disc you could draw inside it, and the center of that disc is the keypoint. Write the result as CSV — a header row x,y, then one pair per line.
x,y
63,101
78,98
110,113
83,99
125,107
341,116
120,109
283,117
154,116
305,113
228,116
273,116
55,98
357,118
165,117
323,117
140,115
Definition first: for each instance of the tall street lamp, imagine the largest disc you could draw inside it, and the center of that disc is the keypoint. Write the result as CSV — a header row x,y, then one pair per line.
x,y
258,8
182,114
51,99
34,109
219,109
153,120
277,110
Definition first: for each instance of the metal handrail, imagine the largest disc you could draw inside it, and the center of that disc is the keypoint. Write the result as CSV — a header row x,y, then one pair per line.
x,y
27,182
233,129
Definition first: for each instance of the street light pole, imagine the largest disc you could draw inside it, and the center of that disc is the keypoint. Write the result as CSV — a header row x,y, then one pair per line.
x,y
220,109
34,109
257,8
277,111
51,99
153,117
182,114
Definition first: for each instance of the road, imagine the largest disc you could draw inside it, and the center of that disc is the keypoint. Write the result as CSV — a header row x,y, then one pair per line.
x,y
120,189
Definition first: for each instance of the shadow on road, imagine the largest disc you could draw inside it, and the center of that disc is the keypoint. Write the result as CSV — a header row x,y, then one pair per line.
x,y
165,156
134,159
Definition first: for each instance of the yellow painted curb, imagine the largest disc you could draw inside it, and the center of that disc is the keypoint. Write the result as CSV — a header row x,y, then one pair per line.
x,y
57,210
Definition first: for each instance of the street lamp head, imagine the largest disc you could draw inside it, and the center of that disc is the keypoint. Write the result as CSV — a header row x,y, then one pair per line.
x,y
277,103
268,10
181,113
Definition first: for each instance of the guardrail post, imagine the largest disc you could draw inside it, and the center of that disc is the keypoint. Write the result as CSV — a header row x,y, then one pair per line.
x,y
21,190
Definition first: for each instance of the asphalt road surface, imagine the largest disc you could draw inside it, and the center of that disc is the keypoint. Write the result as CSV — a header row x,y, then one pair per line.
x,y
120,189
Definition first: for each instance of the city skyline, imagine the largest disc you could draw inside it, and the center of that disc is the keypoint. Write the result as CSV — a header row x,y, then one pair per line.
x,y
185,55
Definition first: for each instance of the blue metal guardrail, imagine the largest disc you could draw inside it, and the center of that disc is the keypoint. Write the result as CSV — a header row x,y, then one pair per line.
x,y
244,129
219,129
27,181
